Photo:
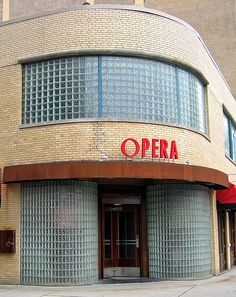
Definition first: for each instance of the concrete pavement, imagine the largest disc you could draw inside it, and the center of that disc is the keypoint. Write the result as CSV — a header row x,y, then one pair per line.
x,y
217,286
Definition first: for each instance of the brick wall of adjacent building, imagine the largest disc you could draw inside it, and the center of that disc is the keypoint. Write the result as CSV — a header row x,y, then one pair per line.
x,y
1,10
132,32
19,8
215,20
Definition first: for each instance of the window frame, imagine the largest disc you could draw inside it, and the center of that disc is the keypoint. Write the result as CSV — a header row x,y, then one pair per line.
x,y
201,125
231,144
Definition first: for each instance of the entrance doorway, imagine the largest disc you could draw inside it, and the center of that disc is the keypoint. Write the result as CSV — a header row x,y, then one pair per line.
x,y
232,220
222,240
121,240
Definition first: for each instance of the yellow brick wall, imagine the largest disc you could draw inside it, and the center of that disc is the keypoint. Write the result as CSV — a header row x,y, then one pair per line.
x,y
10,220
89,29
127,30
97,140
131,31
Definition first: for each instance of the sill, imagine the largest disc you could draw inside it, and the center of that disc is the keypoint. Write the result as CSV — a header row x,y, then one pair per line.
x,y
60,122
231,160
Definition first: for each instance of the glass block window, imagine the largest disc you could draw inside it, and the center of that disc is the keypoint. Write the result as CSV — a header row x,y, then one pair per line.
x,y
139,89
191,100
59,233
60,89
179,232
230,137
113,87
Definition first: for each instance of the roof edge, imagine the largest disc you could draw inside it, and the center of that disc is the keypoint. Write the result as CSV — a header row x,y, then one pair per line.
x,y
122,7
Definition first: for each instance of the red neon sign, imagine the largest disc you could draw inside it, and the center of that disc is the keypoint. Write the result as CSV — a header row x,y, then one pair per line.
x,y
159,147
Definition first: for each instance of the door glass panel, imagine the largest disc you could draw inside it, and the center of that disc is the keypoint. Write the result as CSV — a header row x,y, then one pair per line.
x,y
107,235
120,240
126,241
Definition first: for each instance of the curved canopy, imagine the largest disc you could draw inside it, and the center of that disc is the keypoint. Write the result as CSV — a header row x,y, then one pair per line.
x,y
227,197
145,173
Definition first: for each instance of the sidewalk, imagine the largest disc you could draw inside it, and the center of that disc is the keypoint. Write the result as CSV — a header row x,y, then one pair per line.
x,y
217,286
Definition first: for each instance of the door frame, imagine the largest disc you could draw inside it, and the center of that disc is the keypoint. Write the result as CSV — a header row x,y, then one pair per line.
x,y
222,240
232,220
114,213
124,195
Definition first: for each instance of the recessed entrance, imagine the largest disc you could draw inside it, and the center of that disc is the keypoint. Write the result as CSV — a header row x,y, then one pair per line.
x,y
121,236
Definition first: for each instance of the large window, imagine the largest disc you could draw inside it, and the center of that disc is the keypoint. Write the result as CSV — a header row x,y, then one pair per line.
x,y
113,87
230,137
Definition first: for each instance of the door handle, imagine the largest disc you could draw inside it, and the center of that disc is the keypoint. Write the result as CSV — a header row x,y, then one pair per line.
x,y
137,241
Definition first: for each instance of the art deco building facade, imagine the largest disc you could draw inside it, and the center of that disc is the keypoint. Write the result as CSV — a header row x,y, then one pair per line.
x,y
117,129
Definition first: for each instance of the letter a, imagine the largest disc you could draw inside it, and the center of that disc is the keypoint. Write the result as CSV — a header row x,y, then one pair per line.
x,y
173,150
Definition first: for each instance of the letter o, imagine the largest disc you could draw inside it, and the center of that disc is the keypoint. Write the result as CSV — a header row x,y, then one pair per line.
x,y
137,147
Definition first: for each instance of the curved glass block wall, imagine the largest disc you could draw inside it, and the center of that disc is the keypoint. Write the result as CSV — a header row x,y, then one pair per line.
x,y
179,232
113,87
59,233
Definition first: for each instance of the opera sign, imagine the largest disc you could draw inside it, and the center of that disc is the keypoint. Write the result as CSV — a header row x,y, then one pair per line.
x,y
160,148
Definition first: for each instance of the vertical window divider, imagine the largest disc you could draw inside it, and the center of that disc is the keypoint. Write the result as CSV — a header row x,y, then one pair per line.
x,y
100,86
23,113
230,139
53,97
178,94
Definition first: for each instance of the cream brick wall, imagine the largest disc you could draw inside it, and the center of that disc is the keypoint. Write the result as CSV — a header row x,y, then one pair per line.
x,y
214,19
95,140
98,29
202,15
10,220
131,30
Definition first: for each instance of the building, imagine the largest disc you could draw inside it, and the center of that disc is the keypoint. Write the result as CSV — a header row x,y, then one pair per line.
x,y
117,130
213,19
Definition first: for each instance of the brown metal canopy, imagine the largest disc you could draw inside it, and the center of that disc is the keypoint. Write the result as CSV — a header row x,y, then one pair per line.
x,y
145,172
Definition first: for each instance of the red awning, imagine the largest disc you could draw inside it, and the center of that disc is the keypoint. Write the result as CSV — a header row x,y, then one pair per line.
x,y
227,196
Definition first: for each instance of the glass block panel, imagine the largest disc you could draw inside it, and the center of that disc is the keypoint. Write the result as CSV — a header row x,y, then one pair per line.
x,y
144,89
113,87
138,89
59,233
67,88
192,103
179,232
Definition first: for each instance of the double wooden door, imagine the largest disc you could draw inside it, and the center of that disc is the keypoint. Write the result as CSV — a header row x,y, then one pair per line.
x,y
222,239
232,224
120,239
